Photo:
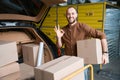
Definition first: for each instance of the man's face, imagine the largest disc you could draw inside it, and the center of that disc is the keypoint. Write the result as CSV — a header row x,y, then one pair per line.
x,y
71,15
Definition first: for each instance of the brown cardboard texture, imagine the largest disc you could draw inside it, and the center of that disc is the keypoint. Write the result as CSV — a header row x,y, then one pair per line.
x,y
38,70
30,54
12,76
8,52
90,50
9,68
26,71
59,68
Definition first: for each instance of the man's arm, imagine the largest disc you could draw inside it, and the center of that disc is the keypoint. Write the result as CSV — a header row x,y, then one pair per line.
x,y
105,51
59,33
59,42
91,32
104,45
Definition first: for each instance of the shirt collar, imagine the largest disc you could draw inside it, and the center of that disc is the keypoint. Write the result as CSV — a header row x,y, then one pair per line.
x,y
71,26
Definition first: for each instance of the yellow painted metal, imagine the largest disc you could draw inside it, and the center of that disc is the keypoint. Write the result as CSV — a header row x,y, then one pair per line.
x,y
100,66
50,33
79,71
91,14
61,16
50,19
104,14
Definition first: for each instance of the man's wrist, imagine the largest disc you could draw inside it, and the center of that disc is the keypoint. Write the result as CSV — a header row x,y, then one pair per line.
x,y
105,52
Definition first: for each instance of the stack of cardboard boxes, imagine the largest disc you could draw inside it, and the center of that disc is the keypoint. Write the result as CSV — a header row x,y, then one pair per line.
x,y
56,69
9,68
89,52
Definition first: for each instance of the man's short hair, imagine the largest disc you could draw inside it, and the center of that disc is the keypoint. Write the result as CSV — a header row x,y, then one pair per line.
x,y
72,7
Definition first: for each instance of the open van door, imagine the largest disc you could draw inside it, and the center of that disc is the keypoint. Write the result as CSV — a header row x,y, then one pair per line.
x,y
52,2
17,18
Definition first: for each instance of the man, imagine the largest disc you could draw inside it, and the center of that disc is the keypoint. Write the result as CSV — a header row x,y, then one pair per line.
x,y
75,31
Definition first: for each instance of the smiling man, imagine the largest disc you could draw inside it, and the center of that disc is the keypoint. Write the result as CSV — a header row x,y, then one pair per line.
x,y
74,31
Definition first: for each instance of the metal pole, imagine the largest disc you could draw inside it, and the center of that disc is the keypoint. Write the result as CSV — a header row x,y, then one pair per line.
x,y
57,16
79,71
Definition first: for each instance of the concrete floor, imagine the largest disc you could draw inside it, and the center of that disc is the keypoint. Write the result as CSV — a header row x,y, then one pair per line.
x,y
110,71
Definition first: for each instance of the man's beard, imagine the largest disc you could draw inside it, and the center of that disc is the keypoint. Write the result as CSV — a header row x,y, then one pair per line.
x,y
72,22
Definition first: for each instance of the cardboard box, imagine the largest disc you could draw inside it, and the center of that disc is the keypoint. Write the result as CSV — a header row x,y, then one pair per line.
x,y
90,50
9,68
30,54
59,68
12,76
26,72
8,52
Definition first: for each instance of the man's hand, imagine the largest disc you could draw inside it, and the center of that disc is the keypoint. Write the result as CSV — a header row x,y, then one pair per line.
x,y
105,58
59,32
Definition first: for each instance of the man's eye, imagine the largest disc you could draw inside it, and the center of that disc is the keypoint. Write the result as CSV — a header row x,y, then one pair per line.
x,y
68,14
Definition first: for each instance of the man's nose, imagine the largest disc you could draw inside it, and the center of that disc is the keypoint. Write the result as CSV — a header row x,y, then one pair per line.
x,y
71,15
